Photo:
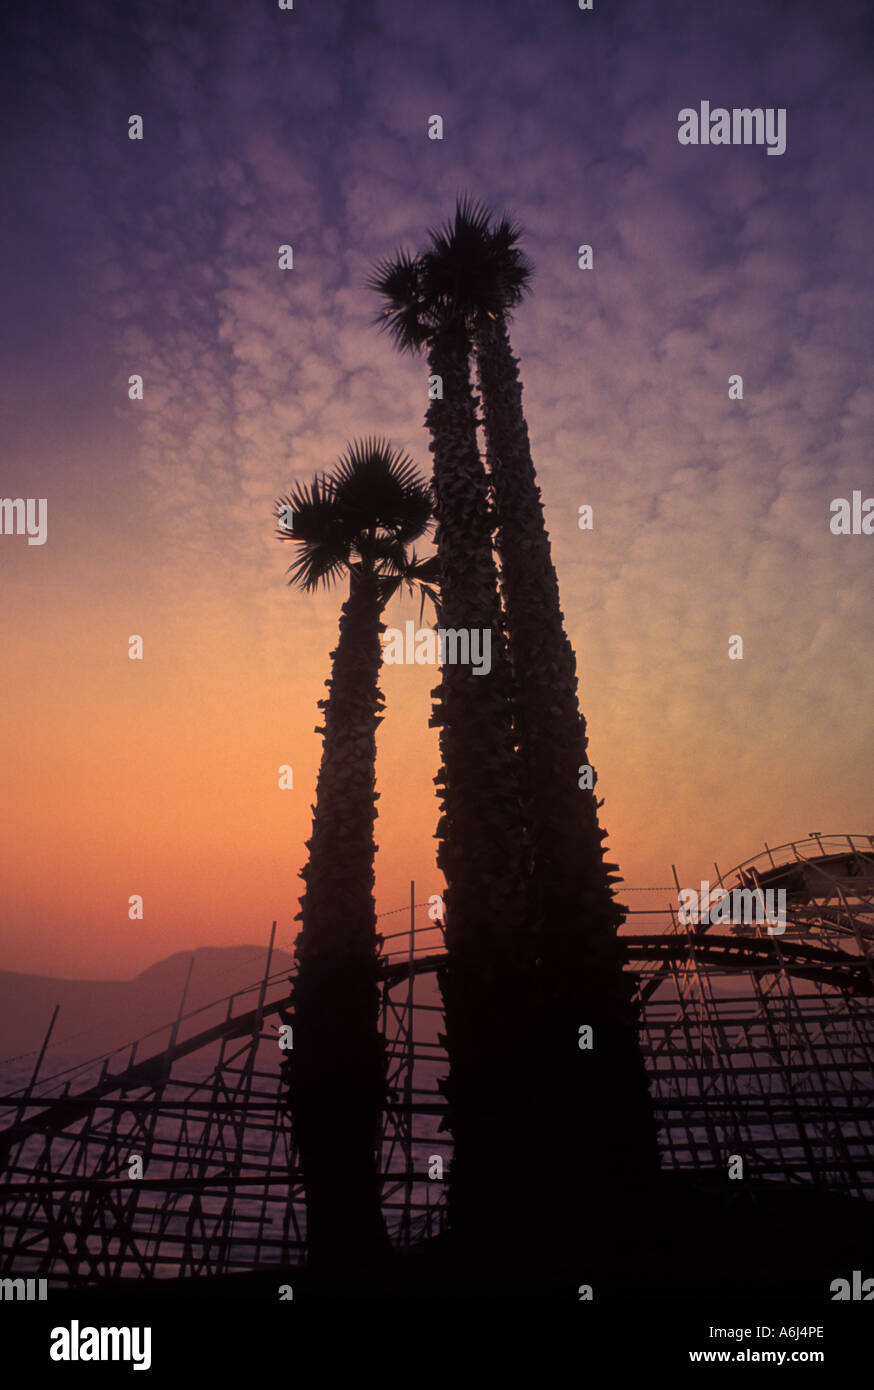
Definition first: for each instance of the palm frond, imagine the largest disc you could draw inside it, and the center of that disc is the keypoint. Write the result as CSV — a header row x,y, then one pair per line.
x,y
379,488
412,573
473,268
514,268
425,571
389,584
403,313
360,517
319,528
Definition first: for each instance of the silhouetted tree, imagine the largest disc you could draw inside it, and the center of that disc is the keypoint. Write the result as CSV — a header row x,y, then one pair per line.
x,y
587,1117
359,520
573,908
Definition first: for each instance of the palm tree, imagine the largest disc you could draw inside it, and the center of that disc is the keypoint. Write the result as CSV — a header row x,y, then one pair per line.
x,y
473,273
571,898
480,831
359,520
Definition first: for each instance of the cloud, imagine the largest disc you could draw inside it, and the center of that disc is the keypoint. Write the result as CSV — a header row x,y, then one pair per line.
x,y
264,128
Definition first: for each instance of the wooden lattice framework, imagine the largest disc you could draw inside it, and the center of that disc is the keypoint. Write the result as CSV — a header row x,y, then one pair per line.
x,y
757,1045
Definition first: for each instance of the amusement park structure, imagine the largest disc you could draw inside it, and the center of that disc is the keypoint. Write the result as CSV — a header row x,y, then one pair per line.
x,y
757,1044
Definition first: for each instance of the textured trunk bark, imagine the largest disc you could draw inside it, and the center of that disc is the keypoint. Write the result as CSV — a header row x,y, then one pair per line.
x,y
336,1072
481,849
592,1108
481,852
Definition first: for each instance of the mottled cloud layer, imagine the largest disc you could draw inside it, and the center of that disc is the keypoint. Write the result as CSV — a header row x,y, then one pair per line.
x,y
711,516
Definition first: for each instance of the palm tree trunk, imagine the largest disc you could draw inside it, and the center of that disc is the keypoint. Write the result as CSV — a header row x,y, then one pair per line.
x,y
608,1137
481,849
481,852
337,1070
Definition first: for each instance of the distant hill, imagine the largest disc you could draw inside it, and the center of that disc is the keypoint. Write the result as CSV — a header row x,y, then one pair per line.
x,y
97,1015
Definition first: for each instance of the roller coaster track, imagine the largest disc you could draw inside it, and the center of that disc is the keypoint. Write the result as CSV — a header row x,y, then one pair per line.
x,y
755,1044
830,967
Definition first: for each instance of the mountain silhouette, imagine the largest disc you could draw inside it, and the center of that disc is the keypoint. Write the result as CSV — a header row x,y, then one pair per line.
x,y
98,1015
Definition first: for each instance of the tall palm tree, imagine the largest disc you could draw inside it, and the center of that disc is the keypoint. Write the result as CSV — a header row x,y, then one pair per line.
x,y
473,273
359,520
572,905
480,832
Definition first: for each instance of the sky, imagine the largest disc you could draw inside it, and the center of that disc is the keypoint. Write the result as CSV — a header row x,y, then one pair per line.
x,y
159,257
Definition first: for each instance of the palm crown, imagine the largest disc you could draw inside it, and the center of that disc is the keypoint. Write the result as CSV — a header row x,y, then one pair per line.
x,y
471,270
360,518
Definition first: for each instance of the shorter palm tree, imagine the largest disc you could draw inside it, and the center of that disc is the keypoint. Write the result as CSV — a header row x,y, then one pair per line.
x,y
358,520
